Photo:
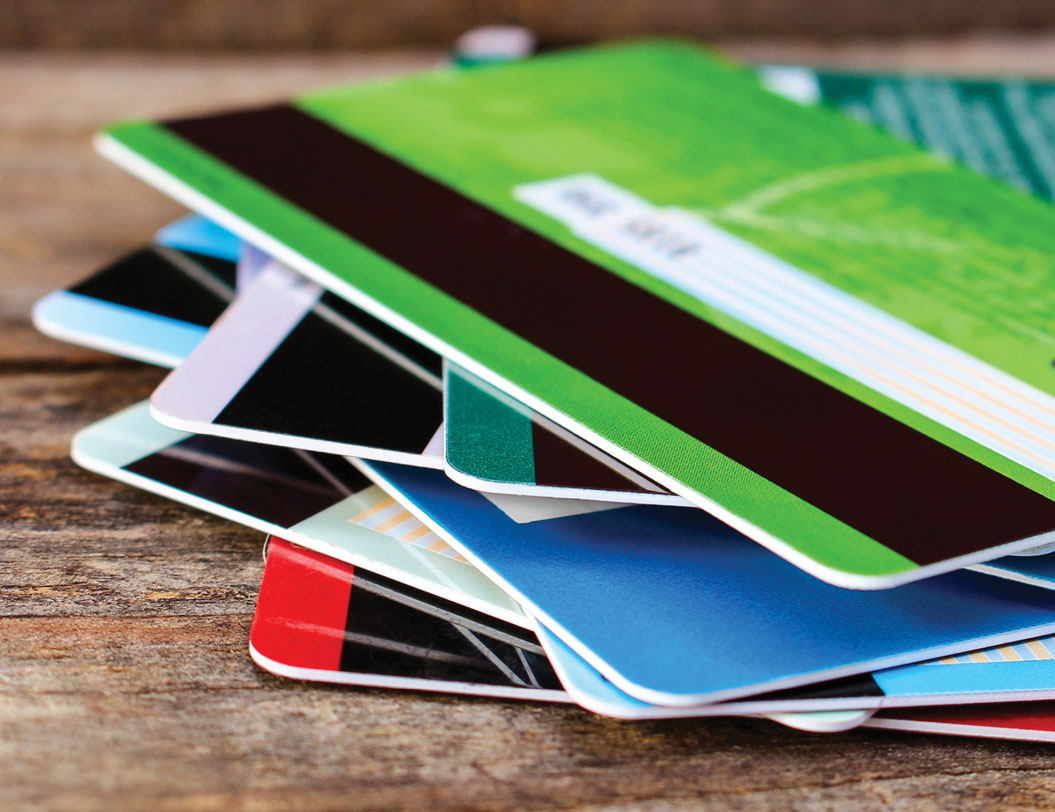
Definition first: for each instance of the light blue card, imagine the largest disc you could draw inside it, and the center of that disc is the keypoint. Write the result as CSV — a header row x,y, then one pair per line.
x,y
116,328
195,233
676,608
154,304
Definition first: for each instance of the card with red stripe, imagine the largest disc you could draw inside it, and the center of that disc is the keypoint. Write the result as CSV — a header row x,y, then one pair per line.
x,y
323,620
1028,721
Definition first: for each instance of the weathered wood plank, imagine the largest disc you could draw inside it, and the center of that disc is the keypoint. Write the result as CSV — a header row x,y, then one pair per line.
x,y
257,25
124,680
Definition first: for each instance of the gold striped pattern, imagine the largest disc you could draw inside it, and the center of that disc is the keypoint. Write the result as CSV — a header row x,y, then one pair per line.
x,y
383,514
372,510
1038,649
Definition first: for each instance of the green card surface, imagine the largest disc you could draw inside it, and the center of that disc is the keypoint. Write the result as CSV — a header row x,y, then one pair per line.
x,y
833,340
1002,127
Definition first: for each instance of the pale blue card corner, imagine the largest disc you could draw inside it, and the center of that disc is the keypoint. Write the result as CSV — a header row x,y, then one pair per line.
x,y
195,233
585,684
117,328
923,682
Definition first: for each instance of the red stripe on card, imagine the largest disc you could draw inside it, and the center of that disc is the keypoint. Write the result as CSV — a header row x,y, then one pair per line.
x,y
302,607
1035,716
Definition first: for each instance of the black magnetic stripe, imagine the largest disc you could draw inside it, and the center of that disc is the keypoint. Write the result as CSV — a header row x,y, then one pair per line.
x,y
145,280
442,607
273,484
907,491
560,464
386,636
323,383
385,333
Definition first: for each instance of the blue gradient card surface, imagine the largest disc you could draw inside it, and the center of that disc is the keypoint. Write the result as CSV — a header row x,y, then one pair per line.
x,y
658,599
1009,673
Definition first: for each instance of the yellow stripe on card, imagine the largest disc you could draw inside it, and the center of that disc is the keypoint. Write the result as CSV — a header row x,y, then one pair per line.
x,y
370,511
417,533
395,521
1041,652
979,656
1010,653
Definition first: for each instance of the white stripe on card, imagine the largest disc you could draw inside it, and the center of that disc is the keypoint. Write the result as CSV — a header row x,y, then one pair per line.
x,y
796,308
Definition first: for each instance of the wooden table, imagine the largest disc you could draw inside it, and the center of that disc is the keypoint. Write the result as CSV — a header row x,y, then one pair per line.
x,y
124,678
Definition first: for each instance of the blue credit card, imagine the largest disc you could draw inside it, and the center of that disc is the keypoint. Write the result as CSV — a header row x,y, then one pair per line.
x,y
1010,673
676,608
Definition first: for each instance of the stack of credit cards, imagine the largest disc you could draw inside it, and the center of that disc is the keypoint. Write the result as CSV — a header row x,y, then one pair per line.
x,y
622,377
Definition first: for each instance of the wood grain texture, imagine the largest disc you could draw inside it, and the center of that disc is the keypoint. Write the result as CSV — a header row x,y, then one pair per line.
x,y
280,25
124,678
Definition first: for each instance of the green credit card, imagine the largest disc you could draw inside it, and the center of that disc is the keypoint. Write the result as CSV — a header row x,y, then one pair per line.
x,y
835,341
1002,127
